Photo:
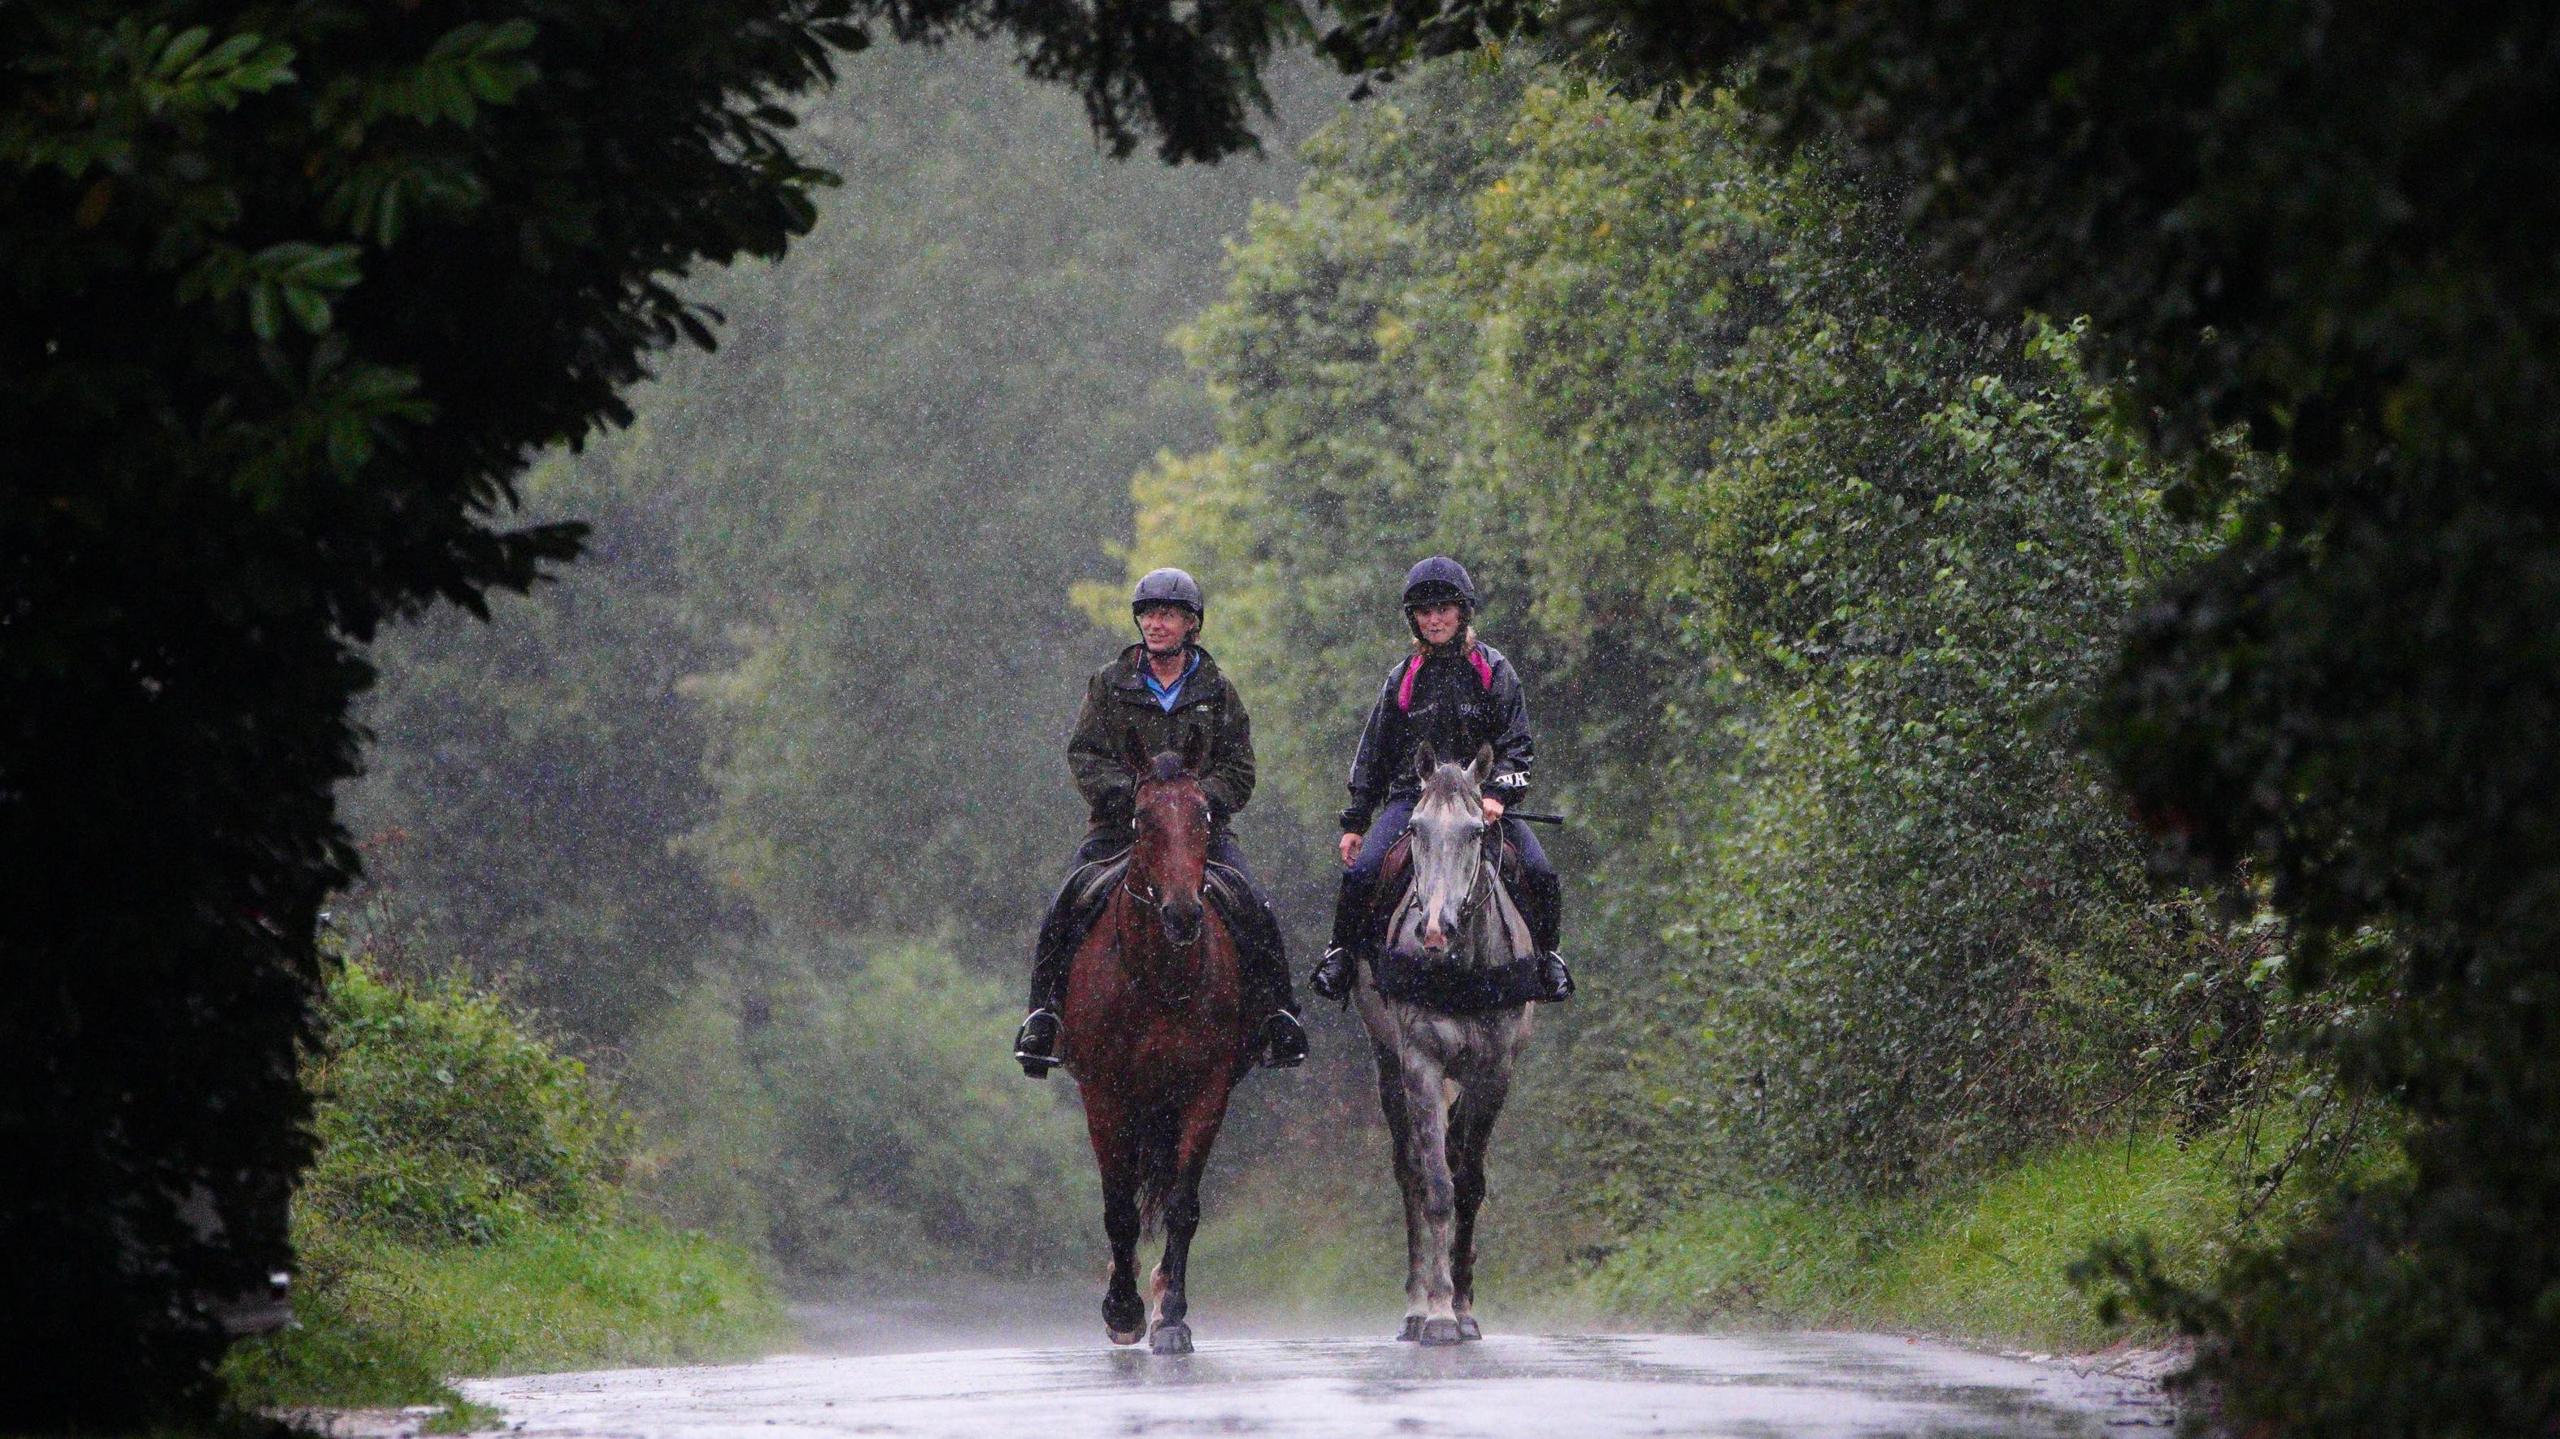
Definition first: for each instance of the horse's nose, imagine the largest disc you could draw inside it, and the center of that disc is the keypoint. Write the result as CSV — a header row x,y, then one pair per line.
x,y
1434,937
1182,922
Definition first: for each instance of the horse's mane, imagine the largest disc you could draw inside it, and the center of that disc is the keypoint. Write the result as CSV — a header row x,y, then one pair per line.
x,y
1166,766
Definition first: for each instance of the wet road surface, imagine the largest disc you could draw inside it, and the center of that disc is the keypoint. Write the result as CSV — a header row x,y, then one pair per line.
x,y
1553,1387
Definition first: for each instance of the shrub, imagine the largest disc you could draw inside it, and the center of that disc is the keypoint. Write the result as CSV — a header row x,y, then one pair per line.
x,y
442,1116
464,1214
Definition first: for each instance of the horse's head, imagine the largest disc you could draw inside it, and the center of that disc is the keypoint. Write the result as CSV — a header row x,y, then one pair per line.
x,y
1169,853
1448,844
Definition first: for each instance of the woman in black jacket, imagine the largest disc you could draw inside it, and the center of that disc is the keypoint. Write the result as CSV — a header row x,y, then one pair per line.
x,y
1457,694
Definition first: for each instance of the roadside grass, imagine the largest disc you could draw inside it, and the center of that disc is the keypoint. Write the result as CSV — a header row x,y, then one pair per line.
x,y
466,1214
1986,1263
388,1323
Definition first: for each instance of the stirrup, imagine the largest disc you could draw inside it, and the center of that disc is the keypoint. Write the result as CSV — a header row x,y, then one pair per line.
x,y
1281,1042
1331,978
1035,1045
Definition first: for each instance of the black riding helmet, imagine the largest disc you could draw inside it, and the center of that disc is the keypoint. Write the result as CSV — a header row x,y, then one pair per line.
x,y
1437,581
1168,587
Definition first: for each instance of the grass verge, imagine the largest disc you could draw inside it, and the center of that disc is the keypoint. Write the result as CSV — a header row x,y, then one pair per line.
x,y
1986,1263
387,1323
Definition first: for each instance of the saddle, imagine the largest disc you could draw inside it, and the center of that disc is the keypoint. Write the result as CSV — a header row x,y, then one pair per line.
x,y
1448,986
1089,889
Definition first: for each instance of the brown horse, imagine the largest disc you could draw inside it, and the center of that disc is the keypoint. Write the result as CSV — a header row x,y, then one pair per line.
x,y
1156,1037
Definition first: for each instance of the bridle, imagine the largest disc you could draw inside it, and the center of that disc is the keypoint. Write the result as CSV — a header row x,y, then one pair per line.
x,y
1472,902
1146,896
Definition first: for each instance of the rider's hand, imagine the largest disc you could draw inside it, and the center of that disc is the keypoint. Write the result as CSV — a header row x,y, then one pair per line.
x,y
1350,849
1492,810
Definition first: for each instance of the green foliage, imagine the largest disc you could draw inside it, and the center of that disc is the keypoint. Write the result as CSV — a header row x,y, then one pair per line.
x,y
531,777
2311,227
398,1320
464,1215
1816,571
841,1114
292,294
441,1118
1990,1261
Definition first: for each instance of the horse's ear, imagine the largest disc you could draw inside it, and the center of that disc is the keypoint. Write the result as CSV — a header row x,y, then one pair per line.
x,y
1133,753
1195,751
1482,769
1425,760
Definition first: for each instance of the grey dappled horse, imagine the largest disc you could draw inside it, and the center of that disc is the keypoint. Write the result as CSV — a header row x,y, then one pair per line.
x,y
1442,1077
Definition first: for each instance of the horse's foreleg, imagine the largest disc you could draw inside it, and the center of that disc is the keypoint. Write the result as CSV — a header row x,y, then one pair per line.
x,y
1470,1138
1124,1315
1171,1332
1408,1187
1426,1102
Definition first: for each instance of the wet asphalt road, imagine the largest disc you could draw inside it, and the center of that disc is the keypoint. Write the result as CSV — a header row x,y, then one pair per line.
x,y
1552,1387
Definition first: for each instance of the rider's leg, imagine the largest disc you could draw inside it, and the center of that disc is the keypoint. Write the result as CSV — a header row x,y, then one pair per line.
x,y
1541,900
1035,1045
1280,1041
1351,907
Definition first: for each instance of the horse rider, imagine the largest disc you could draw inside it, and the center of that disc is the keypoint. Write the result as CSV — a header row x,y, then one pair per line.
x,y
1161,689
1458,694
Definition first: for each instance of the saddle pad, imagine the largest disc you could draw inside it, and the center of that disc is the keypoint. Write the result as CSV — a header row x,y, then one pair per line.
x,y
1227,892
1455,988
1395,872
1089,888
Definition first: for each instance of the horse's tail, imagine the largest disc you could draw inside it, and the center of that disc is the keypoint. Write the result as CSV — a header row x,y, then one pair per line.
x,y
1159,1146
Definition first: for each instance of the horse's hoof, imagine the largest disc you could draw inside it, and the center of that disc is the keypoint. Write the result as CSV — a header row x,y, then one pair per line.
x,y
1436,1332
1412,1329
1174,1338
1125,1336
1468,1328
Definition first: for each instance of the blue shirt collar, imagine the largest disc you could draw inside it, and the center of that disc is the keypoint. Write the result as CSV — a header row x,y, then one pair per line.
x,y
1167,695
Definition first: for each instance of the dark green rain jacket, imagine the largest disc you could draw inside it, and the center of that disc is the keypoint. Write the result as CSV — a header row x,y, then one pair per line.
x,y
1117,705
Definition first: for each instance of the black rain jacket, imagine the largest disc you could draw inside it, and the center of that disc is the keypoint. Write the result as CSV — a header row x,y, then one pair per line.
x,y
1457,706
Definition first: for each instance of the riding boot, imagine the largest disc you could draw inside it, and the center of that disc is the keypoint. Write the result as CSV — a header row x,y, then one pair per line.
x,y
1541,904
1279,1040
1035,1045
